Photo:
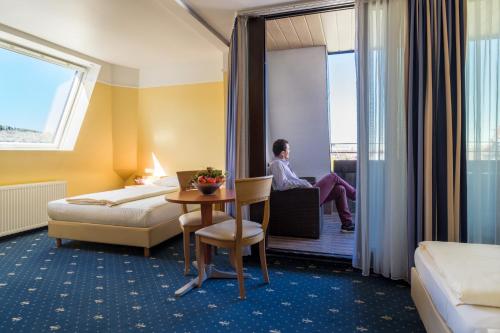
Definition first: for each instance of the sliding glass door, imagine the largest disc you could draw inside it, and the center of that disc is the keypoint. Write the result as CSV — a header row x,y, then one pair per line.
x,y
483,121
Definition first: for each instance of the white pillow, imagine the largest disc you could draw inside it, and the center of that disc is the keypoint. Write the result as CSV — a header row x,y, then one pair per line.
x,y
167,182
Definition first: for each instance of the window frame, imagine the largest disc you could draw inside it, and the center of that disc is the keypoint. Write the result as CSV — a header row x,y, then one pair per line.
x,y
78,98
329,104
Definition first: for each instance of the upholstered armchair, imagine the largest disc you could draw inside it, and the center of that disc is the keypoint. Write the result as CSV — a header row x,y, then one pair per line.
x,y
296,212
346,169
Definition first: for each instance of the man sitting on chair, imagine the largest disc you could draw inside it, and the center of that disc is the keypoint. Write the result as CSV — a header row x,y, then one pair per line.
x,y
331,186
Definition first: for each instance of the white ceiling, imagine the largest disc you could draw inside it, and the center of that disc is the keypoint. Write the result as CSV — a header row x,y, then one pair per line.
x,y
220,14
132,33
145,34
158,37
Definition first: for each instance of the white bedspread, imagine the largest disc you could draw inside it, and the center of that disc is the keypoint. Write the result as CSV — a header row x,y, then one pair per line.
x,y
472,271
121,196
143,213
462,318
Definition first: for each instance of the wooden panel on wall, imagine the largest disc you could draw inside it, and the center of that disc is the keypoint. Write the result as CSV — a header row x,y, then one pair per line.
x,y
288,30
335,29
316,28
274,30
302,30
270,42
339,27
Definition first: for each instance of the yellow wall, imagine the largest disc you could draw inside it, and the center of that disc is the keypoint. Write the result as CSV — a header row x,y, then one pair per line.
x,y
124,105
183,126
88,168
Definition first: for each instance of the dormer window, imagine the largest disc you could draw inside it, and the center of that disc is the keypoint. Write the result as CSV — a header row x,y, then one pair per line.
x,y
44,95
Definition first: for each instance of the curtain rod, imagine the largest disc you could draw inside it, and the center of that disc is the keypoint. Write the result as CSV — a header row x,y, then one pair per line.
x,y
293,7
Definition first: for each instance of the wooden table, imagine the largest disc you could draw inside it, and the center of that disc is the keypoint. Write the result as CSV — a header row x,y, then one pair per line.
x,y
206,202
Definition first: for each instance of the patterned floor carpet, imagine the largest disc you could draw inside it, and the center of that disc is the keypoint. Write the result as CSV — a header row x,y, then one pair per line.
x,y
84,287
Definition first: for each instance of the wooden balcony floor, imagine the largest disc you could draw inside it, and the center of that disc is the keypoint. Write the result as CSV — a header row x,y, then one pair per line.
x,y
331,242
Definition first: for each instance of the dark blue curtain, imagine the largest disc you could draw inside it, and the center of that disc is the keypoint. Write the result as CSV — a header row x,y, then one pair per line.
x,y
437,186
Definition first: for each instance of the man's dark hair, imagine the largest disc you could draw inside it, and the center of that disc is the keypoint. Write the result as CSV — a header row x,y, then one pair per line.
x,y
279,146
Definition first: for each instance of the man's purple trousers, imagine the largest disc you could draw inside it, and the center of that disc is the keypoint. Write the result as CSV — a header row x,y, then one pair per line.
x,y
332,187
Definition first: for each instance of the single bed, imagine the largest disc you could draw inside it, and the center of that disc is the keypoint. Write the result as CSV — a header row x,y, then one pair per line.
x,y
439,307
145,222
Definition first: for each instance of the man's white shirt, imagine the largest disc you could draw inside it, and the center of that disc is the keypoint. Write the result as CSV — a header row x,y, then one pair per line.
x,y
283,177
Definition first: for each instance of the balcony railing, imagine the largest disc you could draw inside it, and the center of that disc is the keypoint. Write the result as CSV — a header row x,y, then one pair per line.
x,y
483,151
341,151
486,151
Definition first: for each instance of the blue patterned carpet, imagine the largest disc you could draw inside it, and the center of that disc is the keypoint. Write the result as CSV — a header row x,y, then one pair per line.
x,y
84,287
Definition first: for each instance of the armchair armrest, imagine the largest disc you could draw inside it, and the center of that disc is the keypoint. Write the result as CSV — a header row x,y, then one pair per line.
x,y
311,180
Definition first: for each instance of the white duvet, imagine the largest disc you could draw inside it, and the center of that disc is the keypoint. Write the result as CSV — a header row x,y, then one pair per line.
x,y
121,196
472,271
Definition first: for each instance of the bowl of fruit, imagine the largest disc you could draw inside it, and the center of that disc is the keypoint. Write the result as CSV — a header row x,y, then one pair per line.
x,y
209,180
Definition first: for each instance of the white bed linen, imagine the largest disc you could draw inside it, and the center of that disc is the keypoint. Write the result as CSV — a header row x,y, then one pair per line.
x,y
121,196
459,318
140,213
472,271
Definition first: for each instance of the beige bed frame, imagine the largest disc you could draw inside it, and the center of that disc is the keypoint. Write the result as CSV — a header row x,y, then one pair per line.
x,y
430,316
112,234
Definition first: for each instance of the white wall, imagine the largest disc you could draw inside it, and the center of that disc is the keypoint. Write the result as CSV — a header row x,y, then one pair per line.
x,y
298,107
185,72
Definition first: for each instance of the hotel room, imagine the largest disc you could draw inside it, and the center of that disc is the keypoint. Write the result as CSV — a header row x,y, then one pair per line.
x,y
250,166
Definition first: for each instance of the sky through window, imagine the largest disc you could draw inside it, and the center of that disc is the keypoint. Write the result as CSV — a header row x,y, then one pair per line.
x,y
33,95
343,116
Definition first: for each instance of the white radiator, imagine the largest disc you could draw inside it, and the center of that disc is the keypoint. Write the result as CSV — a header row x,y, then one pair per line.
x,y
24,206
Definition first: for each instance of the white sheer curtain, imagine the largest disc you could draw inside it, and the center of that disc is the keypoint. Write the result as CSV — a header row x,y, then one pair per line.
x,y
381,231
483,121
237,108
237,111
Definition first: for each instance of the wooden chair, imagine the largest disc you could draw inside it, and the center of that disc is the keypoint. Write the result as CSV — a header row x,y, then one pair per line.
x,y
236,233
191,221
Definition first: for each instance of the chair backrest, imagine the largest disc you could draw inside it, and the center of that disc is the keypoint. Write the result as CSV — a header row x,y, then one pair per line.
x,y
185,178
250,191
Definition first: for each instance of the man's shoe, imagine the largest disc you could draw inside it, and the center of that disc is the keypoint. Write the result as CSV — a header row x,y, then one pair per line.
x,y
347,228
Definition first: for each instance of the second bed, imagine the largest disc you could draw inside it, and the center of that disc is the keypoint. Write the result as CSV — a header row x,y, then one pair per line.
x,y
145,222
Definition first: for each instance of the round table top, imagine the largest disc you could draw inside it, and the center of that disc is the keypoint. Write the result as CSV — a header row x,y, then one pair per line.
x,y
196,197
